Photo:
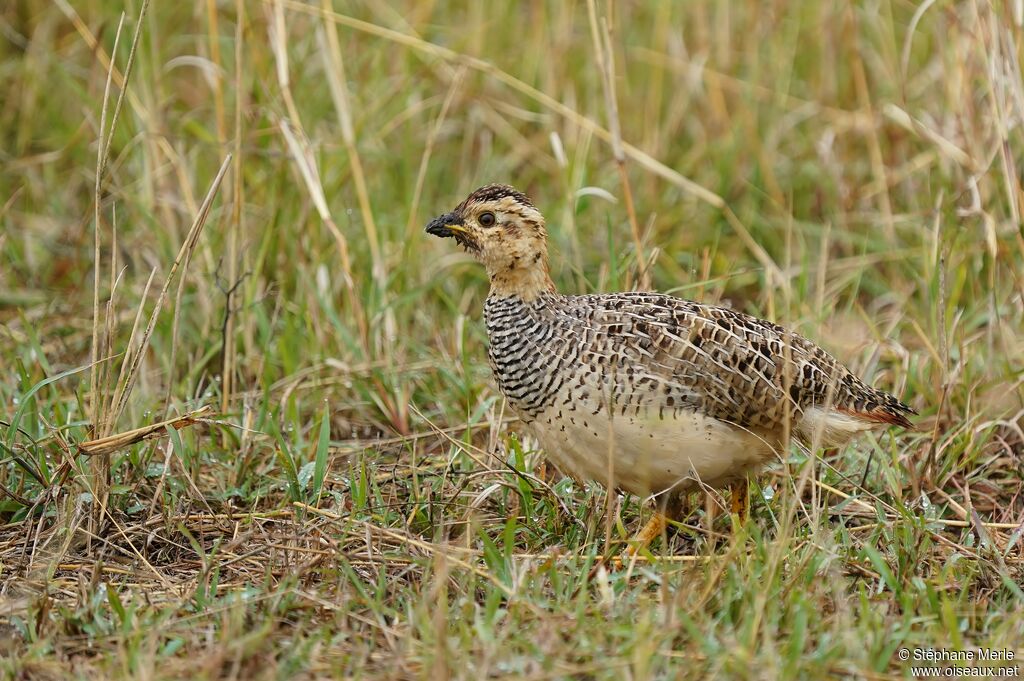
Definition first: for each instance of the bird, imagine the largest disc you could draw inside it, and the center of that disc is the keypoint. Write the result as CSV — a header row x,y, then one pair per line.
x,y
648,393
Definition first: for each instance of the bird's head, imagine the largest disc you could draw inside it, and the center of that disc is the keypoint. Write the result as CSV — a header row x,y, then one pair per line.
x,y
501,228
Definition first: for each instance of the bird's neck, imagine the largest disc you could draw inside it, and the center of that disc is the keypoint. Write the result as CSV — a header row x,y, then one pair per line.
x,y
526,283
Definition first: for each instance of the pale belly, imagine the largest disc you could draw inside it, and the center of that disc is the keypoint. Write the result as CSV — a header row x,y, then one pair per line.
x,y
676,450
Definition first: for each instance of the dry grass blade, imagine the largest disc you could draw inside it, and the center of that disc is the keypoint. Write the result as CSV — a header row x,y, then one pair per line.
x,y
184,254
639,156
450,552
105,60
95,399
99,410
947,148
644,159
299,149
105,425
867,508
118,441
600,33
334,68
237,201
421,175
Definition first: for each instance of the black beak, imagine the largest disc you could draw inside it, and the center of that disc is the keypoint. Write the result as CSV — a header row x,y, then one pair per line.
x,y
451,224
442,224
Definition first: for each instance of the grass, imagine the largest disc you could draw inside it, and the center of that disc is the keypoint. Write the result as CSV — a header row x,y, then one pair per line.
x,y
340,491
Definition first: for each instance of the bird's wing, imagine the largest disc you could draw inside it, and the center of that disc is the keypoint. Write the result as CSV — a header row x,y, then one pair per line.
x,y
671,353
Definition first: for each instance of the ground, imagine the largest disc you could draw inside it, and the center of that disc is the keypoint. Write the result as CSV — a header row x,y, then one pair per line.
x,y
341,491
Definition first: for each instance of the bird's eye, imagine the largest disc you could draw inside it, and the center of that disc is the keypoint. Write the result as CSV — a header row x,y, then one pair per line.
x,y
487,219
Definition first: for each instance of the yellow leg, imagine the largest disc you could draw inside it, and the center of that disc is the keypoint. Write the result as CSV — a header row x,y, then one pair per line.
x,y
740,498
652,530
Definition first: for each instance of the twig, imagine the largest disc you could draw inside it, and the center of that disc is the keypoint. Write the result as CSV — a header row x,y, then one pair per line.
x,y
112,443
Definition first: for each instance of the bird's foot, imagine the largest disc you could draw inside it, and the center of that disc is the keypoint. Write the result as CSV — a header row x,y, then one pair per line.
x,y
651,531
740,501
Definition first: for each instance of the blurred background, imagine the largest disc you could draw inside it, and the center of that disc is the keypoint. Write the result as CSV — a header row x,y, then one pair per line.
x,y
848,169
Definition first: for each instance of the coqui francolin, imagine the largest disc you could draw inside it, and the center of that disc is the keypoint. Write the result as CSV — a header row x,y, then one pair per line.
x,y
657,395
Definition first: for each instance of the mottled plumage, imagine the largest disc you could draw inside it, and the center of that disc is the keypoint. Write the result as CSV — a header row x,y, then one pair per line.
x,y
680,393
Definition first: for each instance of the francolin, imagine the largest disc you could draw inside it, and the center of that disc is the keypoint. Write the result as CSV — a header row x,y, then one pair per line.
x,y
658,396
